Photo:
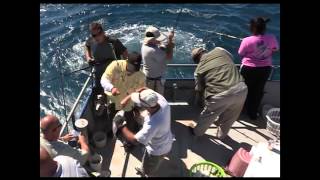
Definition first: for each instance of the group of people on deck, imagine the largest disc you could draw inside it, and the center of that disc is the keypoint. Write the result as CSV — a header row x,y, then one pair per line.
x,y
136,97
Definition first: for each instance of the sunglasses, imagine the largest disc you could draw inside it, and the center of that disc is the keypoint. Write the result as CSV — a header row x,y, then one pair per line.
x,y
58,126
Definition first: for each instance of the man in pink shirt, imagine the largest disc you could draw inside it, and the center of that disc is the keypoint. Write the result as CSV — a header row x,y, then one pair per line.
x,y
256,52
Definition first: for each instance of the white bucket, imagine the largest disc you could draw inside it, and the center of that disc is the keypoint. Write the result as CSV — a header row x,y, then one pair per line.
x,y
96,162
81,124
100,139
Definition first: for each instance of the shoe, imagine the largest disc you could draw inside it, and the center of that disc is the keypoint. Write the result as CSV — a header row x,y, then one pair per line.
x,y
220,135
253,116
140,172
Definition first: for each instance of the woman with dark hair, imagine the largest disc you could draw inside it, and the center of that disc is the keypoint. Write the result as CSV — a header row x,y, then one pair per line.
x,y
256,52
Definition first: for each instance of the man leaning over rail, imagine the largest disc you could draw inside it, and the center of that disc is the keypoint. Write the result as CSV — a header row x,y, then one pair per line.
x,y
50,128
224,90
156,130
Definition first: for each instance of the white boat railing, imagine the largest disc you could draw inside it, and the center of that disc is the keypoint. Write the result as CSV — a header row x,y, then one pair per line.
x,y
70,115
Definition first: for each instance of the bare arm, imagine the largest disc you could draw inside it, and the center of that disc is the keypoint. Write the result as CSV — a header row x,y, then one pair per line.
x,y
170,46
83,143
125,100
88,53
128,135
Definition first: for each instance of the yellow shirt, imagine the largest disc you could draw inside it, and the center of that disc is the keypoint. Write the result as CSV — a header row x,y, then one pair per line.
x,y
116,73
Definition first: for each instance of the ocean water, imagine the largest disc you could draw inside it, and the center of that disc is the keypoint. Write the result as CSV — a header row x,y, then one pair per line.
x,y
64,29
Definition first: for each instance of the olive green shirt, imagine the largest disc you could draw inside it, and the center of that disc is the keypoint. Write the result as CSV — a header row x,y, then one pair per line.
x,y
216,72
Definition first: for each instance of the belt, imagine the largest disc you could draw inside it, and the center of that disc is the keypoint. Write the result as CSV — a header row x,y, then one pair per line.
x,y
154,79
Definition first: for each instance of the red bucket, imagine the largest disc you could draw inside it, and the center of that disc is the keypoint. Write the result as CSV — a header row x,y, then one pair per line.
x,y
239,163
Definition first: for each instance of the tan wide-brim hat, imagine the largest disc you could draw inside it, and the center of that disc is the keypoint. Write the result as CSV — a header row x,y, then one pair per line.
x,y
156,33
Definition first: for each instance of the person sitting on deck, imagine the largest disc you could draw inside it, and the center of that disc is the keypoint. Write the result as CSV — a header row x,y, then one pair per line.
x,y
101,50
224,90
49,139
122,77
60,166
156,131
155,57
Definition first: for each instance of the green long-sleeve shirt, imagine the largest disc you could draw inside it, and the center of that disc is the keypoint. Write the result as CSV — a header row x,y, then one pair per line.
x,y
216,72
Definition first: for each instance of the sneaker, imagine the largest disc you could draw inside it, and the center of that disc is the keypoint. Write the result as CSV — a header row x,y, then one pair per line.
x,y
140,172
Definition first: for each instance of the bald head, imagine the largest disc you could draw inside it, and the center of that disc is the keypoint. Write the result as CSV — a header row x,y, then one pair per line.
x,y
47,165
50,126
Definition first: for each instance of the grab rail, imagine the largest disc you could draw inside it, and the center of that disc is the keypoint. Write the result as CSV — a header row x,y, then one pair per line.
x,y
77,101
169,65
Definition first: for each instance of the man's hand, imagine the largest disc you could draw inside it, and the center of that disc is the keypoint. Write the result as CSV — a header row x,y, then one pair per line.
x,y
171,35
91,62
83,143
115,91
67,137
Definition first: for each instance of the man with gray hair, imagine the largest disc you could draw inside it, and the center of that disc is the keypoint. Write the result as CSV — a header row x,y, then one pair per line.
x,y
224,90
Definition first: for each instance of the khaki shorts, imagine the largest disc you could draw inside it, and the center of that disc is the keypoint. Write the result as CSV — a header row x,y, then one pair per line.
x,y
155,85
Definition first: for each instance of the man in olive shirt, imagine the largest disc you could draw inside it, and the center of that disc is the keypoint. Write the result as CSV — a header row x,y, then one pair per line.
x,y
101,50
224,90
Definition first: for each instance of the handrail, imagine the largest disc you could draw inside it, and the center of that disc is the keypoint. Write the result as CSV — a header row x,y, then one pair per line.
x,y
273,67
76,102
169,65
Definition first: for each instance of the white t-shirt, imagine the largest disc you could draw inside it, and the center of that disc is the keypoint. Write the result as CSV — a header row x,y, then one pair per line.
x,y
154,61
69,167
156,130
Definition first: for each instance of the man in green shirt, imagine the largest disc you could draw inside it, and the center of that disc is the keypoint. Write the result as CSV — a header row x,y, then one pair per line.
x,y
223,88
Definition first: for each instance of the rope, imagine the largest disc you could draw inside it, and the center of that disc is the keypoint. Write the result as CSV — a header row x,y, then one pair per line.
x,y
177,20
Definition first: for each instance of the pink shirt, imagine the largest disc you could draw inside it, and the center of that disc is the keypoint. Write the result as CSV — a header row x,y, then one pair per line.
x,y
256,51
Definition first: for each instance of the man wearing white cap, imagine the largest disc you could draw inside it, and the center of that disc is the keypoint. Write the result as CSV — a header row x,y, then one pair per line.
x,y
156,130
154,56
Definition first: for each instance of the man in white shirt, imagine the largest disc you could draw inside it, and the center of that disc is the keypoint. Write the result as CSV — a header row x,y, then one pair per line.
x,y
155,56
60,166
156,130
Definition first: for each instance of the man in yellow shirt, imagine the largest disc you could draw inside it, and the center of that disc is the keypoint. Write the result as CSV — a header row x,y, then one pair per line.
x,y
121,78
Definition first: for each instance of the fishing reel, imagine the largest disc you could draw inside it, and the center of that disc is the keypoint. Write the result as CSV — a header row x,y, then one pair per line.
x,y
101,105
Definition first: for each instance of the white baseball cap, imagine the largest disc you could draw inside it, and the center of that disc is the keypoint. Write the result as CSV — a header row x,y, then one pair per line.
x,y
146,98
156,34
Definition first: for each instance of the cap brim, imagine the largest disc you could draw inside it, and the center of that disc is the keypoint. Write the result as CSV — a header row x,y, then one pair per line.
x,y
147,39
162,37
135,98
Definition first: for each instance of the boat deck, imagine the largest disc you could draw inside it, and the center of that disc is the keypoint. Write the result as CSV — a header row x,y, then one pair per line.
x,y
187,150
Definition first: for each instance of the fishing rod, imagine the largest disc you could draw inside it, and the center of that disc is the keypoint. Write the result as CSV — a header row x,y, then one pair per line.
x,y
65,74
221,34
